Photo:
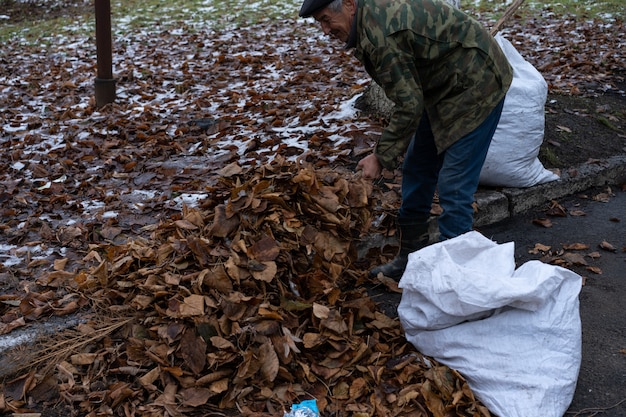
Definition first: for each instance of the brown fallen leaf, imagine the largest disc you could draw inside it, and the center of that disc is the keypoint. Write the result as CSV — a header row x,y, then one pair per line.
x,y
607,246
594,269
602,197
83,358
574,258
539,248
269,362
575,246
543,222
556,210
195,396
230,170
193,350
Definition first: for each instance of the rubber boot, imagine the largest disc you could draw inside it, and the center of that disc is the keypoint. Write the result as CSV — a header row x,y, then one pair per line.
x,y
413,236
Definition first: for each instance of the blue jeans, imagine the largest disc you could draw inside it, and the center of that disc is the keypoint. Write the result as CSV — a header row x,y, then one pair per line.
x,y
454,174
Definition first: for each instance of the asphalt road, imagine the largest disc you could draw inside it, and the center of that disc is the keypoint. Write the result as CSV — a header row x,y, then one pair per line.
x,y
601,386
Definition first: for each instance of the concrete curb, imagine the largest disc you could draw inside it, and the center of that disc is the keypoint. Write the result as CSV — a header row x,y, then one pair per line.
x,y
497,205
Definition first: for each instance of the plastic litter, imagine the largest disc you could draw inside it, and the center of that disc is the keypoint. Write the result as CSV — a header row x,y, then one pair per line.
x,y
307,408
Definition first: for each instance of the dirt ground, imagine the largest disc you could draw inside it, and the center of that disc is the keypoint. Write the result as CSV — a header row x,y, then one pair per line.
x,y
580,128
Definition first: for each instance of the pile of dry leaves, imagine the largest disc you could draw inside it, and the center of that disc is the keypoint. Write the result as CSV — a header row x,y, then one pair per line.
x,y
243,306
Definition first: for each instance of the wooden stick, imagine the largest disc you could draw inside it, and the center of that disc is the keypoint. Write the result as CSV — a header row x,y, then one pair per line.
x,y
508,12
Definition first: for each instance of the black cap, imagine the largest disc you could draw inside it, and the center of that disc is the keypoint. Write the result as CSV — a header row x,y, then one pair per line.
x,y
311,6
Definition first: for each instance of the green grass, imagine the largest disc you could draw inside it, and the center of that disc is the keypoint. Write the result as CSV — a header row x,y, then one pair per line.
x,y
154,15
222,14
606,10
549,157
217,14
32,31
606,122
38,29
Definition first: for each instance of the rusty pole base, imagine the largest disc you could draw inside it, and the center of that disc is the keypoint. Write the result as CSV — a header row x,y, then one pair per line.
x,y
105,91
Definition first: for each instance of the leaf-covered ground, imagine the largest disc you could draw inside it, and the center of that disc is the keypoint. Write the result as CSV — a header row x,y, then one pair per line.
x,y
207,226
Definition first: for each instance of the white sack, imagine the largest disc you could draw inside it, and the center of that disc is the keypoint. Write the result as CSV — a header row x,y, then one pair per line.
x,y
514,334
512,157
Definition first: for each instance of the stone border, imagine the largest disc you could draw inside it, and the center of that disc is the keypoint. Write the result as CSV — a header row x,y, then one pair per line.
x,y
497,205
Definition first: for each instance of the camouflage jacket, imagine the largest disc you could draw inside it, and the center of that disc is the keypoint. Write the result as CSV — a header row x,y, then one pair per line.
x,y
428,55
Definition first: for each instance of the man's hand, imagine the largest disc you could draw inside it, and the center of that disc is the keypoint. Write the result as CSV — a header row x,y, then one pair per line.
x,y
370,166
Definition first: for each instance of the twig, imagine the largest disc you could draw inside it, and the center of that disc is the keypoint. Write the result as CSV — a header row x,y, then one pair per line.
x,y
596,410
60,349
507,13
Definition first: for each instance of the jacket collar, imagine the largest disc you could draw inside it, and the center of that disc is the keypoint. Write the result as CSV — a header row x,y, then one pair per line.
x,y
352,38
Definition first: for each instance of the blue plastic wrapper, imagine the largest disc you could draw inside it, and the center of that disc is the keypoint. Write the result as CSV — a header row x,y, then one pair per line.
x,y
307,408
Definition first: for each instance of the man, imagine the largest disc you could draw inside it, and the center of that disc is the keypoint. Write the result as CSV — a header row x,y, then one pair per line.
x,y
447,77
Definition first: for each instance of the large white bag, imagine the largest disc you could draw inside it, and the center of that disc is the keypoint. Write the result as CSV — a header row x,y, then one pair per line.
x,y
512,157
514,334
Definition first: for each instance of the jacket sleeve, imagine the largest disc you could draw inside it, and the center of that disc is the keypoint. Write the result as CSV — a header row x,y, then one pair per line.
x,y
394,70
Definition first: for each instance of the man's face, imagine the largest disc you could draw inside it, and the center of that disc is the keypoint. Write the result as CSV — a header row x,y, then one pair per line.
x,y
337,24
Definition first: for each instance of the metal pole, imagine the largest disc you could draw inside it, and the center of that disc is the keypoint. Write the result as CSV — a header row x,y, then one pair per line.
x,y
105,83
